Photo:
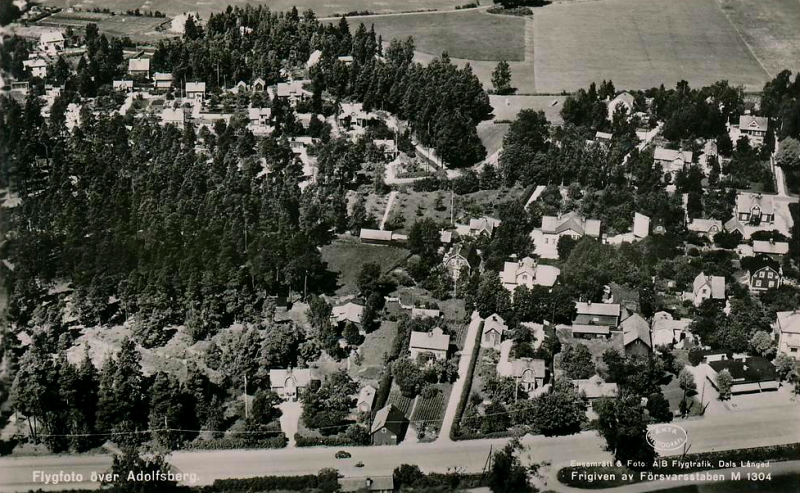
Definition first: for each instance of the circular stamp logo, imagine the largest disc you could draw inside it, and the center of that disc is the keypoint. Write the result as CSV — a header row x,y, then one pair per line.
x,y
666,436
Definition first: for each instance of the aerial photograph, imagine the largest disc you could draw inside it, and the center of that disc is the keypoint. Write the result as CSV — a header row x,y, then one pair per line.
x,y
388,246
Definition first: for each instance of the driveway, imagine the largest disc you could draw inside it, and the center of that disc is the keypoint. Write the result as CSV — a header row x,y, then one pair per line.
x,y
458,387
290,419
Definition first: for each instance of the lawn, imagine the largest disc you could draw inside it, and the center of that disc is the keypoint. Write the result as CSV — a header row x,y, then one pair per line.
x,y
346,256
470,35
507,107
373,350
640,44
770,28
491,135
172,7
674,394
415,206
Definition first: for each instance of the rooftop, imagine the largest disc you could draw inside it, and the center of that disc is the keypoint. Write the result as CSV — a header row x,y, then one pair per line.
x,y
435,340
752,370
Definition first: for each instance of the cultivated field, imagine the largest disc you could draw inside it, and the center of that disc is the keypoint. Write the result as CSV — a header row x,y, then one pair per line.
x,y
431,411
771,28
473,35
173,7
640,44
137,28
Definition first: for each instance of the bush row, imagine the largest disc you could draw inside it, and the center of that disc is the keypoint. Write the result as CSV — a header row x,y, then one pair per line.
x,y
267,483
331,441
225,443
455,431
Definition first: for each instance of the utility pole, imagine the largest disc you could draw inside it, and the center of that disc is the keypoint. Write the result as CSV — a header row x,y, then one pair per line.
x,y
452,208
246,410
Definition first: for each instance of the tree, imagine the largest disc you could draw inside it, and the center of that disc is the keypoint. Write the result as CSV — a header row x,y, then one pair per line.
x,y
351,334
784,365
369,278
424,239
408,377
689,387
327,409
279,346
565,245
788,156
623,424
9,12
576,361
406,475
724,384
561,411
501,78
695,356
763,344
508,475
495,419
658,408
492,297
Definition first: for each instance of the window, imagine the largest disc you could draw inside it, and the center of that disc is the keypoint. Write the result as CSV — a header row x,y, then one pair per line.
x,y
758,284
771,275
793,350
772,284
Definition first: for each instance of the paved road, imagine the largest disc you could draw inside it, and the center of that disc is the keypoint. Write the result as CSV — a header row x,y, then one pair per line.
x,y
738,430
458,387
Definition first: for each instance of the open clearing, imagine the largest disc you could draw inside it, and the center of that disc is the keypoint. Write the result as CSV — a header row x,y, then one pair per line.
x,y
172,7
771,28
640,44
473,35
507,107
347,256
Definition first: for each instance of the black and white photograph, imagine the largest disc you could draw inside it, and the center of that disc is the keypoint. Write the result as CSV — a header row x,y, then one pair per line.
x,y
400,246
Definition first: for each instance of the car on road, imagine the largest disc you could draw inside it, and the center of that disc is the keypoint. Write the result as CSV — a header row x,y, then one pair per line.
x,y
343,454
359,464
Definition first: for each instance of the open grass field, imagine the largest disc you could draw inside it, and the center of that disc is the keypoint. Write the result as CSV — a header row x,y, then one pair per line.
x,y
347,256
173,7
473,35
640,44
771,28
373,350
507,107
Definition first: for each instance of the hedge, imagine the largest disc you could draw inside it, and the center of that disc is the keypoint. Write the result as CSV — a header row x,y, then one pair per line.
x,y
225,443
455,431
267,483
332,441
774,453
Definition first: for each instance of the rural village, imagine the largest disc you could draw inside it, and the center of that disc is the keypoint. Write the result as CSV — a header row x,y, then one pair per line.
x,y
260,229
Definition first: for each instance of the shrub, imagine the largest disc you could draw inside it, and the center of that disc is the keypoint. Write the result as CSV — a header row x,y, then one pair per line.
x,y
695,356
455,431
229,442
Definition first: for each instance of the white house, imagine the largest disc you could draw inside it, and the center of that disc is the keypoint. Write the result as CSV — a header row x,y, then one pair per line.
x,y
430,345
707,287
366,398
293,91
672,161
290,383
122,85
37,66
349,312
528,272
51,42
754,128
139,66
162,81
553,228
195,90
787,333
477,227
705,227
622,100
173,116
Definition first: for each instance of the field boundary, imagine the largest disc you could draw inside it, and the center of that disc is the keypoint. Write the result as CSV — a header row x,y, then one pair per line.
x,y
741,37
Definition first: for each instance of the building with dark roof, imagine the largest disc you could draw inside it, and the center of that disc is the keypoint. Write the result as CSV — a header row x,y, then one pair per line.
x,y
389,426
636,335
750,375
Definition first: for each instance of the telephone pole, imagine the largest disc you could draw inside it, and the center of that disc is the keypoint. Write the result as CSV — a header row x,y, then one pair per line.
x,y
246,407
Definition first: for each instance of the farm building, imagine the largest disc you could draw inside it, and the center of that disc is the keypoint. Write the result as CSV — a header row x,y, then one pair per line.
x,y
493,329
389,426
750,375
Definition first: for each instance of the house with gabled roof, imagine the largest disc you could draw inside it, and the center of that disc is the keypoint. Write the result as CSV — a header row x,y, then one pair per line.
x,y
492,332
595,388
349,312
707,287
162,81
429,345
621,100
636,335
589,313
477,227
755,208
388,426
754,128
553,228
293,91
671,160
290,383
139,66
528,272
374,484
787,333
51,42
313,58
195,90
366,398
705,227
665,330
750,374
771,248
763,274
461,257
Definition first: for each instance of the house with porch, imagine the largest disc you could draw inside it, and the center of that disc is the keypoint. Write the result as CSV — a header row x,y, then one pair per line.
x,y
588,313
